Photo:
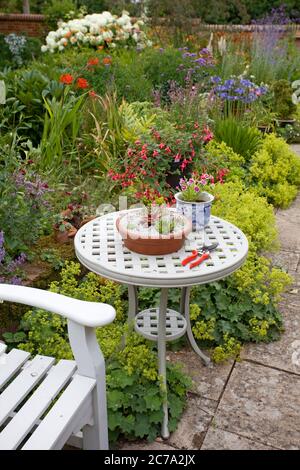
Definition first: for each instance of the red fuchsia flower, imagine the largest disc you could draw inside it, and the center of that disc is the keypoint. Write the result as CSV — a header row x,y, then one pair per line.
x,y
168,150
93,61
177,157
161,145
137,142
207,135
129,152
82,83
221,173
66,79
196,125
155,153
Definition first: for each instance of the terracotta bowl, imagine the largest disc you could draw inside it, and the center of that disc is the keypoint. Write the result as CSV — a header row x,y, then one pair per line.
x,y
154,245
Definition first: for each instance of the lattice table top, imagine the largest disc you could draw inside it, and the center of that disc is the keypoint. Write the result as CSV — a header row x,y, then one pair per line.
x,y
100,248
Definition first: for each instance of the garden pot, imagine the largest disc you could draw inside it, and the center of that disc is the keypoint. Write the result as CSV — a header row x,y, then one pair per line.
x,y
197,212
285,122
150,243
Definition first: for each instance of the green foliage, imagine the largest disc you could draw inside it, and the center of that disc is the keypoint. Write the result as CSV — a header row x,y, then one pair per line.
x,y
220,155
56,10
25,196
275,171
60,133
248,211
283,104
135,394
244,140
31,50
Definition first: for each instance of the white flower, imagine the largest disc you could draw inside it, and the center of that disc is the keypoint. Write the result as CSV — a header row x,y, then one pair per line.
x,y
60,48
44,48
95,29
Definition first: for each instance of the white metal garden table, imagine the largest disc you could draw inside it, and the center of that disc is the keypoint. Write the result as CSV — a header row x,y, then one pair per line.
x,y
100,248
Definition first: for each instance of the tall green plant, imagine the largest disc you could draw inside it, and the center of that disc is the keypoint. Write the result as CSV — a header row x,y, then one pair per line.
x,y
242,139
60,133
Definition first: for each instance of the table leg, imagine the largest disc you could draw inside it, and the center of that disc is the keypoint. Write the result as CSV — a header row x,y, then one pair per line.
x,y
133,302
185,310
161,344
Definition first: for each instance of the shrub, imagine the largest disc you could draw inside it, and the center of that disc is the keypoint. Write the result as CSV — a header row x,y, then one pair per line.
x,y
220,155
25,195
249,212
244,140
283,105
275,171
135,395
96,30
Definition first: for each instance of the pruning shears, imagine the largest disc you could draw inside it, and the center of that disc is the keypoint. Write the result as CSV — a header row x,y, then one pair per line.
x,y
202,255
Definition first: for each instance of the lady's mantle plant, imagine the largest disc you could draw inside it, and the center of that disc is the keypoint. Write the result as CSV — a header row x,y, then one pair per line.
x,y
134,392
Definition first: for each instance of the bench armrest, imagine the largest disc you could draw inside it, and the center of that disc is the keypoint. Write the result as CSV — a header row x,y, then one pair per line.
x,y
91,314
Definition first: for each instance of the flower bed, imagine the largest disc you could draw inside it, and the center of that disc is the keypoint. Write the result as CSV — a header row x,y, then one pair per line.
x,y
82,128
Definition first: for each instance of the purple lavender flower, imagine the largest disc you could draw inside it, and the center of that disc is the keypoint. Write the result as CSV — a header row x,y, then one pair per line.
x,y
16,263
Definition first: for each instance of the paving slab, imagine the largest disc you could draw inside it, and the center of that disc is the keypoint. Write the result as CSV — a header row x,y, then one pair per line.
x,y
144,445
296,148
288,224
194,423
287,260
208,382
282,354
261,404
218,439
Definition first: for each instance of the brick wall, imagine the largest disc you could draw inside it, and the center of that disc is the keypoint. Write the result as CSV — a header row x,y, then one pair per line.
x,y
30,25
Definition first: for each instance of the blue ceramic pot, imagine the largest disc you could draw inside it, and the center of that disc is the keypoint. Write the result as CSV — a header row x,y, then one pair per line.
x,y
197,212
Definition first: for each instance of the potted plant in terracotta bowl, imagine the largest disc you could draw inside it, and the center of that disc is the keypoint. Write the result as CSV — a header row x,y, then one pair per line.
x,y
159,232
193,201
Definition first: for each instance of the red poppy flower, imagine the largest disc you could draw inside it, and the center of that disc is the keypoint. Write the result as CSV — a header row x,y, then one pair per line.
x,y
66,79
107,60
82,83
93,61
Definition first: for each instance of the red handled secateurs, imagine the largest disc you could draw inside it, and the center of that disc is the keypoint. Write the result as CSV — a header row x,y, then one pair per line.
x,y
202,255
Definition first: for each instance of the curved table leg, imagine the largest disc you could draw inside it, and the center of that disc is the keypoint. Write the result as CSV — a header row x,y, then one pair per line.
x,y
161,345
185,310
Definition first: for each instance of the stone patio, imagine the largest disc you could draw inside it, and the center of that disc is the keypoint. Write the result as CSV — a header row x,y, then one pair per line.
x,y
253,404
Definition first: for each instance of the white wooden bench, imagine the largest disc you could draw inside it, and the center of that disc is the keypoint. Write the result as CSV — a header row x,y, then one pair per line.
x,y
43,403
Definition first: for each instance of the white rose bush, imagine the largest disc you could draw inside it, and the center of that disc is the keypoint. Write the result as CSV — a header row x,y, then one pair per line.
x,y
97,30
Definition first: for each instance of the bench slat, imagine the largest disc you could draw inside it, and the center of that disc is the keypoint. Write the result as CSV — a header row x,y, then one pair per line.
x,y
25,419
2,348
10,364
67,413
17,390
